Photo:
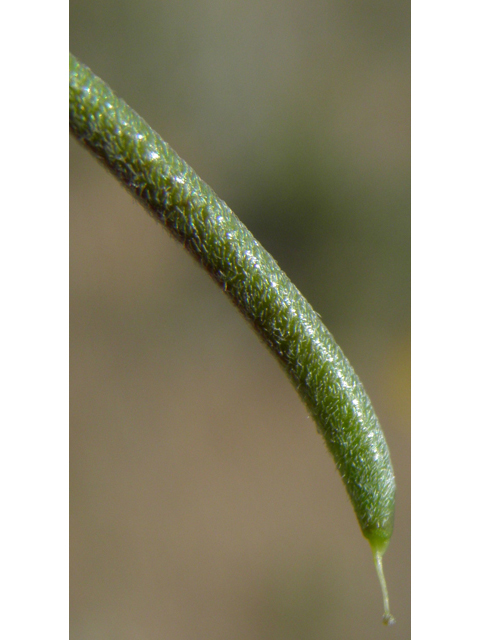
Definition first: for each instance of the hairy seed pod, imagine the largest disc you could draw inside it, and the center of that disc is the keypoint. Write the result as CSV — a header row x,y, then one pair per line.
x,y
176,197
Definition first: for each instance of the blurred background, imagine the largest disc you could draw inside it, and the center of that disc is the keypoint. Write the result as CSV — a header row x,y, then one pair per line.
x,y
203,502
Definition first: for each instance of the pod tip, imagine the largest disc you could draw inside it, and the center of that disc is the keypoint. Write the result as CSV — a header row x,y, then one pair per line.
x,y
388,619
378,551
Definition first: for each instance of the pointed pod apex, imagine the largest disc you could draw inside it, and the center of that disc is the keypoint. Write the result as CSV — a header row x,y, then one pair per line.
x,y
378,550
388,619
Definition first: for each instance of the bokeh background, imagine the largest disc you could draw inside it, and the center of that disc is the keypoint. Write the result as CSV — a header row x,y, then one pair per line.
x,y
203,502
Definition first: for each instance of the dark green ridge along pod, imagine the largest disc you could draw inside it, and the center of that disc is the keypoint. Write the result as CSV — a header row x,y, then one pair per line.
x,y
175,196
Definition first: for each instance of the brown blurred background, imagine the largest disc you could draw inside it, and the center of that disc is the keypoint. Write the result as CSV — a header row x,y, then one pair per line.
x,y
203,502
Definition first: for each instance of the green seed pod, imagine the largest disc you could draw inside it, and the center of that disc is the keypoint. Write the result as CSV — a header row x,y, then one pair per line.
x,y
175,196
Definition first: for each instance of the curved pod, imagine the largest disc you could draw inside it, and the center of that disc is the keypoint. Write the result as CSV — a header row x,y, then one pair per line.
x,y
175,196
